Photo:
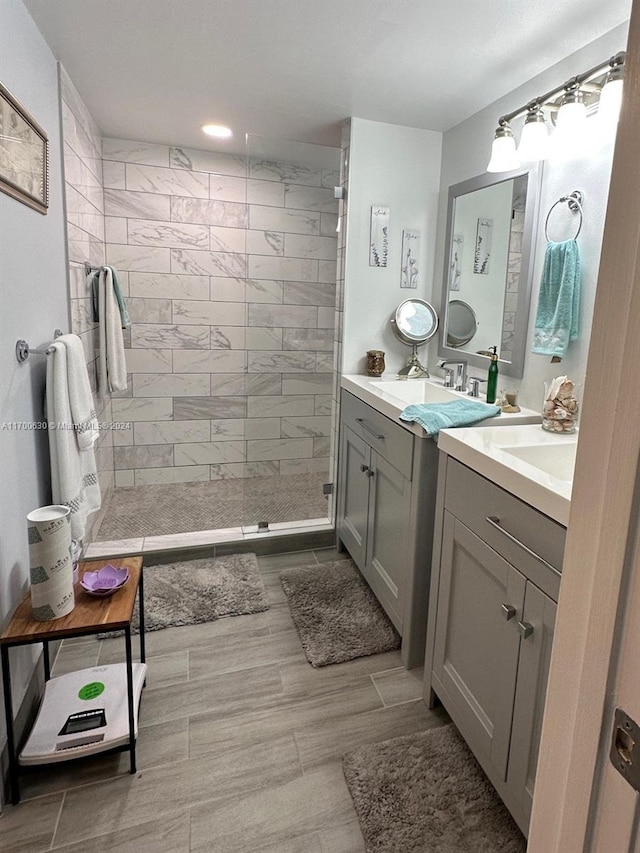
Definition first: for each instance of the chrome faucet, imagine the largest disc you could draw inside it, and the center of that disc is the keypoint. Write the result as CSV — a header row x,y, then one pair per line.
x,y
461,373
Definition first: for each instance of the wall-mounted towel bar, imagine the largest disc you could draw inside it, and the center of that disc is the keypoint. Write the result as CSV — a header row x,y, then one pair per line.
x,y
89,268
23,350
574,202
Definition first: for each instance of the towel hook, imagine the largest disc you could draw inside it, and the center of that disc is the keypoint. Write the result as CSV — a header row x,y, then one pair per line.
x,y
574,202
23,350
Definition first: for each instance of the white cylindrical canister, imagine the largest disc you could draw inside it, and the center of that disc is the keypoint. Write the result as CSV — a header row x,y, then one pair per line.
x,y
51,571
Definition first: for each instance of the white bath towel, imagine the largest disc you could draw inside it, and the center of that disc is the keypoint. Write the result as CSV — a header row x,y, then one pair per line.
x,y
73,430
112,363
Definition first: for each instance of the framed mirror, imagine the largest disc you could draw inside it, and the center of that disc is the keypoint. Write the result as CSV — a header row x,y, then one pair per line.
x,y
486,288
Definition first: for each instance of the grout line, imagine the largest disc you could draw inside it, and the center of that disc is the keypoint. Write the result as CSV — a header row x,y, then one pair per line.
x,y
55,828
377,691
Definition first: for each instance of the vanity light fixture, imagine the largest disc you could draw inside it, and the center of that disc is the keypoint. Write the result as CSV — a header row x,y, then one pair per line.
x,y
570,138
217,130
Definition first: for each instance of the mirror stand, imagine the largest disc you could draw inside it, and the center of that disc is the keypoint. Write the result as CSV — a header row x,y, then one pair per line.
x,y
413,369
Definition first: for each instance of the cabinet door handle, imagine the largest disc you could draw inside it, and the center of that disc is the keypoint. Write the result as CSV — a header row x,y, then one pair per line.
x,y
364,426
370,473
525,629
508,611
364,468
494,521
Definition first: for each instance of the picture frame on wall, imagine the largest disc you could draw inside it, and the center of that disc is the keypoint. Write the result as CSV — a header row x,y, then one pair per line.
x,y
24,155
379,239
410,259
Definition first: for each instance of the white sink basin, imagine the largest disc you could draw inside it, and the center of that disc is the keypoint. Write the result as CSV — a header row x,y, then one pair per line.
x,y
534,465
557,460
415,391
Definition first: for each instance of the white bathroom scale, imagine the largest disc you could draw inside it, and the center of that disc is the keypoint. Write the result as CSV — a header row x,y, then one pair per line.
x,y
83,713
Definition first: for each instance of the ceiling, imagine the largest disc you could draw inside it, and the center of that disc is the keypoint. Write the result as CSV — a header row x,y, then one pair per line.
x,y
156,70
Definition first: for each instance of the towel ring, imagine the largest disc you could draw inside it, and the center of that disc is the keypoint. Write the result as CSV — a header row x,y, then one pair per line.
x,y
574,202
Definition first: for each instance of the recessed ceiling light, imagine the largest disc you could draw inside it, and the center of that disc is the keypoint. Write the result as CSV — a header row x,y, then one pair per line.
x,y
218,130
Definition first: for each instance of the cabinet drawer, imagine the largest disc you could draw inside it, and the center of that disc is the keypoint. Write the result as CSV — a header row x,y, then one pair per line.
x,y
527,538
389,440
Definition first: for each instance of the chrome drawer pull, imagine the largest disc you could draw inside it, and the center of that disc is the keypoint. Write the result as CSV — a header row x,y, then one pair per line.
x,y
364,468
370,473
494,521
369,430
526,630
508,611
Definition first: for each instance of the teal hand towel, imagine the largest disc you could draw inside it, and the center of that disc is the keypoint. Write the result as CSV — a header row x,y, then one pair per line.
x,y
559,300
436,416
117,292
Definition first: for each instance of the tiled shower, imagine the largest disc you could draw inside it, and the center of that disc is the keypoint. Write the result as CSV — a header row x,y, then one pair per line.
x,y
228,264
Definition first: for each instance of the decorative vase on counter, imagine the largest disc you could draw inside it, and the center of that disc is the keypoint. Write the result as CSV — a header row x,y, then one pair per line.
x,y
560,407
375,362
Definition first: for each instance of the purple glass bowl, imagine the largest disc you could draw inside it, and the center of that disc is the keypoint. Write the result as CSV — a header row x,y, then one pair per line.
x,y
105,581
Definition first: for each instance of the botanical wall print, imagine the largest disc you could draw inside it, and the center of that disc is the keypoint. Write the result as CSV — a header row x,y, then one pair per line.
x,y
23,155
455,264
410,254
379,245
483,246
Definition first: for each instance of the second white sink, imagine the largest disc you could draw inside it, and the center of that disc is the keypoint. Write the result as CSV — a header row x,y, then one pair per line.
x,y
557,460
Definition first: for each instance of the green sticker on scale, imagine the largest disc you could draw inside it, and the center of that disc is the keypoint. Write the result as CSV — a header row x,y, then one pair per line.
x,y
91,690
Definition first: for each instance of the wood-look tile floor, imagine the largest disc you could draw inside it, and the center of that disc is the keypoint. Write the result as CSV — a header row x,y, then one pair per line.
x,y
239,748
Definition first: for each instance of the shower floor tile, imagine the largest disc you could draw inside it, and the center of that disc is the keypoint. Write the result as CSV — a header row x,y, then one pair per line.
x,y
174,508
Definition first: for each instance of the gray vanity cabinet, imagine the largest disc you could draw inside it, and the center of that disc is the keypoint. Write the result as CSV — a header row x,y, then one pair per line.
x,y
386,500
495,581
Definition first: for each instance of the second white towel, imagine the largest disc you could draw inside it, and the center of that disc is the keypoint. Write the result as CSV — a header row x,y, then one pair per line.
x,y
112,363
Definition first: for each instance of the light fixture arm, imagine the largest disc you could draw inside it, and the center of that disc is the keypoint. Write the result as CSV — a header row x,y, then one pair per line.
x,y
573,83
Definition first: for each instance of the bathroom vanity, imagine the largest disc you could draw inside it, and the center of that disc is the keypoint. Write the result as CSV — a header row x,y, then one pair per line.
x,y
386,496
498,548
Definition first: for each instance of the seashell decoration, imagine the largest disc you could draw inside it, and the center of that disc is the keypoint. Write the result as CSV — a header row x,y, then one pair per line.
x,y
560,407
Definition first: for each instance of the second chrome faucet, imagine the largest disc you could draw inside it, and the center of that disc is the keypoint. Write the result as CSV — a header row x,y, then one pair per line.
x,y
461,374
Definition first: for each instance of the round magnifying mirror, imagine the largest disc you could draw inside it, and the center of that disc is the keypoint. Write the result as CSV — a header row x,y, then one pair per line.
x,y
414,322
462,323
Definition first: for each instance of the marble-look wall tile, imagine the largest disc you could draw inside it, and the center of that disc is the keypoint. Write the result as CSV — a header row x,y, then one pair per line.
x,y
323,405
147,456
144,232
223,289
165,336
325,361
227,384
212,313
228,337
128,151
265,192
143,310
321,446
263,383
308,339
230,471
167,181
310,198
271,170
266,243
124,479
227,429
309,383
210,453
262,428
212,408
195,262
209,361
327,271
209,212
305,427
326,317
328,225
227,188
113,175
286,269
286,448
177,432
208,161
139,258
264,290
264,218
279,362
330,178
160,476
115,229
227,239
287,316
142,409
302,246
290,467
309,293
120,202
264,339
168,285
171,385
280,407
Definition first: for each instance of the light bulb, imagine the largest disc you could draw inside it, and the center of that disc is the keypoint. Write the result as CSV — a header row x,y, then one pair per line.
x,y
570,137
534,140
610,100
218,130
503,151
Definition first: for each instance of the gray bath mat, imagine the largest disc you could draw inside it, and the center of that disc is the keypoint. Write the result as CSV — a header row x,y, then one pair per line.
x,y
336,615
426,793
195,591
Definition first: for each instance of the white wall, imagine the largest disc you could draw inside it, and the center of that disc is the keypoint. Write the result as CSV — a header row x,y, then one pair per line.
x,y
397,167
466,150
33,301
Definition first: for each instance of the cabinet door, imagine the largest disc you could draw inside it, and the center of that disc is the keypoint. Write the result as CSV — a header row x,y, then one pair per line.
x,y
353,501
533,674
476,645
387,539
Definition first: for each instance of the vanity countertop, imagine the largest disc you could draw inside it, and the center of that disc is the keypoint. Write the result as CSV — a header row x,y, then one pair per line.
x,y
534,465
390,396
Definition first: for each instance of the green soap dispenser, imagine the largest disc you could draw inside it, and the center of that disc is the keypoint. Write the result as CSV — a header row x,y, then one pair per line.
x,y
492,379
